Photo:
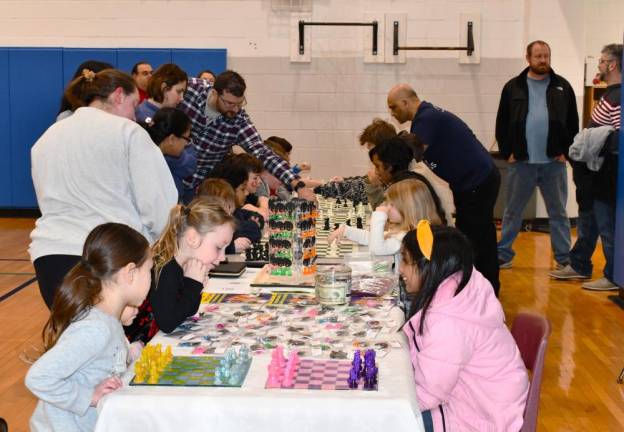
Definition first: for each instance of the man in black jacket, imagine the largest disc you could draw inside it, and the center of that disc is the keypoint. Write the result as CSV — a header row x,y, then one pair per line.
x,y
536,122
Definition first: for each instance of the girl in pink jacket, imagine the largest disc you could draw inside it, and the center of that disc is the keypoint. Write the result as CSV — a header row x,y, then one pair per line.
x,y
467,367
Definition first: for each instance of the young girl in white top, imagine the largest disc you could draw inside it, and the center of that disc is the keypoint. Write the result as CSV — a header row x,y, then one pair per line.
x,y
84,343
406,202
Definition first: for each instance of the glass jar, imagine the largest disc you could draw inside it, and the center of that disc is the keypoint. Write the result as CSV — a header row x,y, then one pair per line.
x,y
333,284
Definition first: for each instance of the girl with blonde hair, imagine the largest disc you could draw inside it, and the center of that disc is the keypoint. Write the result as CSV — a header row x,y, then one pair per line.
x,y
406,202
193,243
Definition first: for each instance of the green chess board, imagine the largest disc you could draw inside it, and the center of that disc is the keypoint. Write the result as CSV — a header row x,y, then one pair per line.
x,y
186,371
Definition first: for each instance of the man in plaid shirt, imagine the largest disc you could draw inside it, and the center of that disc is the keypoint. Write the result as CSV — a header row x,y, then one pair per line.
x,y
219,122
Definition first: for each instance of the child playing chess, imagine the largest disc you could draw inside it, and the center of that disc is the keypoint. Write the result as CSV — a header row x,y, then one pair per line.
x,y
219,189
170,129
468,371
84,343
191,245
407,202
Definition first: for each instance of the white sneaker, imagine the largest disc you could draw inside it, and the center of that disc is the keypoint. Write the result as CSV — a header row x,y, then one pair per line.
x,y
567,272
602,284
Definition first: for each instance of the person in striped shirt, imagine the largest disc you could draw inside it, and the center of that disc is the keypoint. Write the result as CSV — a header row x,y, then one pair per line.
x,y
220,121
595,191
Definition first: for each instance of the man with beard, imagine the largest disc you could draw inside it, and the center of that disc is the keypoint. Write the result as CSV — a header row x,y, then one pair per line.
x,y
536,122
219,122
595,190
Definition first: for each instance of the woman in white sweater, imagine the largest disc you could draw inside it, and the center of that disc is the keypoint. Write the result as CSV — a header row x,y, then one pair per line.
x,y
94,167
406,203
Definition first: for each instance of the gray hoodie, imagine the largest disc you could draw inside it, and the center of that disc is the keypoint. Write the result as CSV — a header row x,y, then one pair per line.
x,y
588,144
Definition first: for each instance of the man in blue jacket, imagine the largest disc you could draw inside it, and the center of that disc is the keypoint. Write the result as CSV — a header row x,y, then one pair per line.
x,y
536,122
454,154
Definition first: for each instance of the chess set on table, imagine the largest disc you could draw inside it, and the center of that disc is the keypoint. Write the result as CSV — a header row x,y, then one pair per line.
x,y
331,213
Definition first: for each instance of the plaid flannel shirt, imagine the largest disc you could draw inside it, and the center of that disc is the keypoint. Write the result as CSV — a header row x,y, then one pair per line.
x,y
213,140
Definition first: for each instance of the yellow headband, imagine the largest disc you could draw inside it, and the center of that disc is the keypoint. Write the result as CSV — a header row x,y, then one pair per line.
x,y
424,237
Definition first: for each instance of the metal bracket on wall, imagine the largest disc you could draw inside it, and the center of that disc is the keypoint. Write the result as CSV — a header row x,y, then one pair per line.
x,y
302,25
395,44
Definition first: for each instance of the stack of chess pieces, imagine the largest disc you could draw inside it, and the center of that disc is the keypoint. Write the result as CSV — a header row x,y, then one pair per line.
x,y
282,371
232,366
366,370
150,366
292,237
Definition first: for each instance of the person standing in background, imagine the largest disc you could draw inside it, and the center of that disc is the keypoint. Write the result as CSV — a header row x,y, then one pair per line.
x,y
535,125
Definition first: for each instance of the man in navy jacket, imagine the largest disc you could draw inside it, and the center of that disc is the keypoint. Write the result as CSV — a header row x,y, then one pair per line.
x,y
454,154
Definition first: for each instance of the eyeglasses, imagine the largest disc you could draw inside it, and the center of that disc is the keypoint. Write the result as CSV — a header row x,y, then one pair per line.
x,y
186,138
230,104
602,61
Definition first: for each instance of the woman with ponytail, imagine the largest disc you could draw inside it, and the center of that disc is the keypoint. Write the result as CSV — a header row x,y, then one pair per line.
x,y
85,349
468,372
93,167
170,129
193,243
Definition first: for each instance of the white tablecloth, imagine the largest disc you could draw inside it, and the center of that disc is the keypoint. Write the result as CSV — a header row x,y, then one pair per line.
x,y
393,408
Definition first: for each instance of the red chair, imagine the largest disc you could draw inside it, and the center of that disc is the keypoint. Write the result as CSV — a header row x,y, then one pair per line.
x,y
531,333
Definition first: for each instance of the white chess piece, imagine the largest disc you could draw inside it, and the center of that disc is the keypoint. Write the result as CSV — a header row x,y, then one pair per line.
x,y
333,249
360,210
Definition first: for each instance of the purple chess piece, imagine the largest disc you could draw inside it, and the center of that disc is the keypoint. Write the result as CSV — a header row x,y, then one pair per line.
x,y
354,377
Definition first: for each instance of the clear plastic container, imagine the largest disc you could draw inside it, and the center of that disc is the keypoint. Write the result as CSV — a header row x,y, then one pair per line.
x,y
333,285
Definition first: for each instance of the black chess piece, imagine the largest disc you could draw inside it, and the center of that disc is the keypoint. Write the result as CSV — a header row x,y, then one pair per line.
x,y
349,222
359,223
326,227
338,201
336,225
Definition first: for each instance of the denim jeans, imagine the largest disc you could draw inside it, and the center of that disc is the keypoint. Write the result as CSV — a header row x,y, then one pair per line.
x,y
552,180
605,220
583,249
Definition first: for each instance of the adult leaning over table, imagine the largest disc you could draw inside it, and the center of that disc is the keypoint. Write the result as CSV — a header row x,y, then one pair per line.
x,y
94,167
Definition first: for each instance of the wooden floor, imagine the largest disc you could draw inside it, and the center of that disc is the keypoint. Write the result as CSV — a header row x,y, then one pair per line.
x,y
585,355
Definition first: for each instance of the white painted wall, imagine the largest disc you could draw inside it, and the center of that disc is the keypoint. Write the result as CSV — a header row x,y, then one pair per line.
x,y
323,105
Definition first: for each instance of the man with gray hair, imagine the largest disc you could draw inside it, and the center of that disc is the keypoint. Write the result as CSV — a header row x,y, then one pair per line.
x,y
595,190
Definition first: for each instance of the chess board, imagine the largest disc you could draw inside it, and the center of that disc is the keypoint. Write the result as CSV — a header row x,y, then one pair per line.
x,y
212,298
340,216
184,371
323,375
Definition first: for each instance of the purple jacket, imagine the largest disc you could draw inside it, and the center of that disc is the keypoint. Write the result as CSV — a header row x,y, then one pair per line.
x,y
467,366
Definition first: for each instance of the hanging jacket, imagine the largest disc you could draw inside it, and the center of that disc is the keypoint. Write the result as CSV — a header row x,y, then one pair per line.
x,y
563,121
467,367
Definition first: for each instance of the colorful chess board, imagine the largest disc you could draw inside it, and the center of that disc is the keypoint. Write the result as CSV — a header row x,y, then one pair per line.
x,y
185,371
314,374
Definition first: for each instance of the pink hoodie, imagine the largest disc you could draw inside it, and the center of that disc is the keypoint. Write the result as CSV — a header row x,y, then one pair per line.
x,y
467,366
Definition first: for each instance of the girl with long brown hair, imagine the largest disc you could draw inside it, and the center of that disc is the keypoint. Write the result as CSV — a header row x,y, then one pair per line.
x,y
193,243
85,349
406,202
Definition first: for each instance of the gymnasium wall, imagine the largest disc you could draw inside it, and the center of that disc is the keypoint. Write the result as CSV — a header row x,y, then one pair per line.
x,y
321,106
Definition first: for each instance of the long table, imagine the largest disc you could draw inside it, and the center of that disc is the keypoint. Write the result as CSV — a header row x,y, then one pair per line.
x,y
392,407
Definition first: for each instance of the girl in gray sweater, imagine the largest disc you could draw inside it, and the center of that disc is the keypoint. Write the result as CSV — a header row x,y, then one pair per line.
x,y
85,350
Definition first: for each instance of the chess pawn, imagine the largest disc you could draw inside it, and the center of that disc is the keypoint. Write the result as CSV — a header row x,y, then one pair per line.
x,y
153,375
218,378
139,373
